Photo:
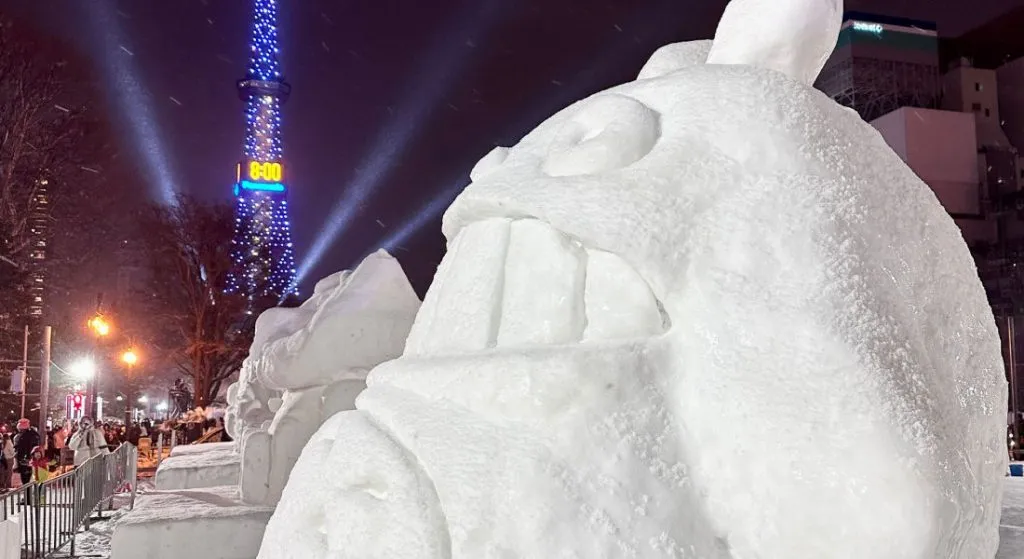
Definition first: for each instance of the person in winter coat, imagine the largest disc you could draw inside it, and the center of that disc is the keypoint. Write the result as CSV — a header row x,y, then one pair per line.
x,y
87,442
40,465
26,440
6,463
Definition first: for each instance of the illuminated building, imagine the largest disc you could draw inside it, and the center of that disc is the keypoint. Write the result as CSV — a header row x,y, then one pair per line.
x,y
262,246
39,226
883,63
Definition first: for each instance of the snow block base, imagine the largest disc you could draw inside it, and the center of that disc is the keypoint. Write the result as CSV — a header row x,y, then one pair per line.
x,y
211,523
191,469
201,448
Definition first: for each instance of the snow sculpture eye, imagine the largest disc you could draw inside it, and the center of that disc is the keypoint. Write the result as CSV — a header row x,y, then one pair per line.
x,y
609,132
489,163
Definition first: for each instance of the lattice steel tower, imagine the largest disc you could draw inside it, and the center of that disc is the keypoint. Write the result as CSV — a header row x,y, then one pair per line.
x,y
262,245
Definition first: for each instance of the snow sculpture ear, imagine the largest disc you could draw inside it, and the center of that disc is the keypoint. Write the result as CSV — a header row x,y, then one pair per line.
x,y
489,163
674,57
607,132
794,37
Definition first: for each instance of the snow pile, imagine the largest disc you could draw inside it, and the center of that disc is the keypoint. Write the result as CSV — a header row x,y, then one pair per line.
x,y
706,314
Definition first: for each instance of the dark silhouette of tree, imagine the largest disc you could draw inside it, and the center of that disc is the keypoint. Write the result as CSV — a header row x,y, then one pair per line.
x,y
203,330
58,191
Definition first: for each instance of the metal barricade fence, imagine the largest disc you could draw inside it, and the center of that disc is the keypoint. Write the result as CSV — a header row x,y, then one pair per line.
x,y
15,504
51,512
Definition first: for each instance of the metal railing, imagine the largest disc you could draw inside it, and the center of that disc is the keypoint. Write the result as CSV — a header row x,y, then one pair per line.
x,y
51,512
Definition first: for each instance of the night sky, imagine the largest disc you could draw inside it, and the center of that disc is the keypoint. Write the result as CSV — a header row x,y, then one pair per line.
x,y
448,79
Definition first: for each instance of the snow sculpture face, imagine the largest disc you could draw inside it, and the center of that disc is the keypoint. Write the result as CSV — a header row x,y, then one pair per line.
x,y
354,321
703,314
250,401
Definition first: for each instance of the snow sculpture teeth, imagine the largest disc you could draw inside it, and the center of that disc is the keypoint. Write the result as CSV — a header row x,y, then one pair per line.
x,y
530,285
545,274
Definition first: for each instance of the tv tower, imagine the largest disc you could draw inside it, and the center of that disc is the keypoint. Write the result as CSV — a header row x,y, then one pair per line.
x,y
264,260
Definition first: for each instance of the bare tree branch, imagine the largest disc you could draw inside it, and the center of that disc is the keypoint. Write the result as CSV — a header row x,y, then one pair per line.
x,y
205,331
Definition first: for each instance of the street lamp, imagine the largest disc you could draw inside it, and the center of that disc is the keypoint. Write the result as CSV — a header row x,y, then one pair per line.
x,y
101,327
83,369
129,357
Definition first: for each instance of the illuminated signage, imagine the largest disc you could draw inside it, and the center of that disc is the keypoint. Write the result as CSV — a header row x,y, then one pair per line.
x,y
260,171
863,26
258,187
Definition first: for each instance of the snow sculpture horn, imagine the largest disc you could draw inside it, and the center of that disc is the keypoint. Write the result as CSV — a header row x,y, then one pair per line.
x,y
794,37
708,314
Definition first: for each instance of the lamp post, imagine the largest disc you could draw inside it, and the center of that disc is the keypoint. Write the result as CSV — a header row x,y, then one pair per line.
x,y
129,357
100,328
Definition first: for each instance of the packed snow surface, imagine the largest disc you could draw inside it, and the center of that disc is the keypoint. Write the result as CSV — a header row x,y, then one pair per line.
x,y
218,465
212,523
183,449
707,314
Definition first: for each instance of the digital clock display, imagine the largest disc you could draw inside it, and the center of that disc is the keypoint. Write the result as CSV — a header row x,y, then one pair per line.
x,y
261,171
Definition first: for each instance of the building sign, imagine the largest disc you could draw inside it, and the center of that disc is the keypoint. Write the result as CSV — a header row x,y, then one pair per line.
x,y
74,405
866,27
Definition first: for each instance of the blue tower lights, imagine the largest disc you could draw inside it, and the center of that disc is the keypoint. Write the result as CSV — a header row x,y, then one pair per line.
x,y
263,250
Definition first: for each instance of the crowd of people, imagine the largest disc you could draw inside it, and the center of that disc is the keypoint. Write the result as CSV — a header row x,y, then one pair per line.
x,y
28,455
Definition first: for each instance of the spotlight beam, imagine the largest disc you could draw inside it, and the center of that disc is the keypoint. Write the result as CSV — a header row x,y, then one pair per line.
x,y
582,82
131,97
444,62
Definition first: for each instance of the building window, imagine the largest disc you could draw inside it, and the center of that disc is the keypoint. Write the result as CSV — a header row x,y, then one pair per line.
x,y
976,107
987,112
977,86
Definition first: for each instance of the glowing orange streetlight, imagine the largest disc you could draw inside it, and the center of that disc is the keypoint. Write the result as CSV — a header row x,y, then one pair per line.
x,y
129,357
99,326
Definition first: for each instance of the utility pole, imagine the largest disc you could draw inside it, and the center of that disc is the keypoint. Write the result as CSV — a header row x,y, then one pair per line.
x,y
44,388
1012,366
24,372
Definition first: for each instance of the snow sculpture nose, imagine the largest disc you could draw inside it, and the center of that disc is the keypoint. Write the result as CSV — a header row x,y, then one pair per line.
x,y
794,37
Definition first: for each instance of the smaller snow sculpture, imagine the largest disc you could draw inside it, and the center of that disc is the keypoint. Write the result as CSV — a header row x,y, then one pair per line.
x,y
250,402
317,359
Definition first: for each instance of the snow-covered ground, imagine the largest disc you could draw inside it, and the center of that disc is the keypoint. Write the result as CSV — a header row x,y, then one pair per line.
x,y
96,542
1011,529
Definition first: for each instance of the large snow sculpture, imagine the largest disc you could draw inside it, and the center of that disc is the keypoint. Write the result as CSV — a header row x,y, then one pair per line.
x,y
353,322
706,314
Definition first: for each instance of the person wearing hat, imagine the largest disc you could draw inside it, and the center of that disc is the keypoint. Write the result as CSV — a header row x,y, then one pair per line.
x,y
26,440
